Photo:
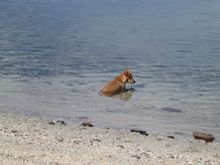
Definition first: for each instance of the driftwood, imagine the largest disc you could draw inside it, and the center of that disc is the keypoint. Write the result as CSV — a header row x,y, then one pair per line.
x,y
139,131
204,136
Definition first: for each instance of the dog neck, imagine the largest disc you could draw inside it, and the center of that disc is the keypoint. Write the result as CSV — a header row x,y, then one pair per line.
x,y
121,80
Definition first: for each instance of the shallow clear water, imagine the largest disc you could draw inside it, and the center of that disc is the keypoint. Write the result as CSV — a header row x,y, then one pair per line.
x,y
55,56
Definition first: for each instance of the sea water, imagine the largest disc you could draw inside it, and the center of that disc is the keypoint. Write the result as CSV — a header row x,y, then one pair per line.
x,y
55,56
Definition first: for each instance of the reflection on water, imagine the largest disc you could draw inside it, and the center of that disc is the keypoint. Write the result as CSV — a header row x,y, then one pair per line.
x,y
55,56
127,94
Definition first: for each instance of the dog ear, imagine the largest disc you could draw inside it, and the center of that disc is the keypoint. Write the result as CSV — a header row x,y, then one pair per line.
x,y
128,71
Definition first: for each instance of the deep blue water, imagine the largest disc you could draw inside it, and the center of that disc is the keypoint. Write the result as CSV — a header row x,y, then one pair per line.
x,y
55,55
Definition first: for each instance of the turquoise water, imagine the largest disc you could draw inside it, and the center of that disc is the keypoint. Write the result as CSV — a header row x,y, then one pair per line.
x,y
55,56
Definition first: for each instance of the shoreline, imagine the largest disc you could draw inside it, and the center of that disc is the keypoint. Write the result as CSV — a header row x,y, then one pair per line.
x,y
33,141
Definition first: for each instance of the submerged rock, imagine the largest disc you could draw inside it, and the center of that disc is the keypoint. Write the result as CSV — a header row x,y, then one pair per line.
x,y
178,133
83,118
203,136
171,109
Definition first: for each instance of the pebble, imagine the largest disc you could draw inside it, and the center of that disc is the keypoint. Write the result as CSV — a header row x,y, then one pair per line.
x,y
171,109
14,131
87,124
51,123
57,121
59,139
61,122
97,140
136,156
121,146
171,137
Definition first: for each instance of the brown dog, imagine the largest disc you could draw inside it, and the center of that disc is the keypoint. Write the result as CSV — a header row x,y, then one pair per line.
x,y
117,85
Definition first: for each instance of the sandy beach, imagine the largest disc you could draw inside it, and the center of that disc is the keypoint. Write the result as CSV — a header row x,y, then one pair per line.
x,y
57,55
33,141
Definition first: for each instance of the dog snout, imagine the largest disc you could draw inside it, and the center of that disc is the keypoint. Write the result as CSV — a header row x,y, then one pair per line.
x,y
133,81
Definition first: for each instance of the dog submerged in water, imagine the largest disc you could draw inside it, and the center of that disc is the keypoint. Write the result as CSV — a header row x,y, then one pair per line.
x,y
117,85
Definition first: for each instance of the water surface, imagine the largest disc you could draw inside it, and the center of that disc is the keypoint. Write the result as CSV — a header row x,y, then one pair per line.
x,y
55,55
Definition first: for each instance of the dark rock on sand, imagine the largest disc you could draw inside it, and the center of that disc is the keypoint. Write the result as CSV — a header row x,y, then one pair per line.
x,y
59,139
135,156
87,124
139,131
171,137
14,131
57,121
61,122
96,140
203,136
171,109
51,123
121,146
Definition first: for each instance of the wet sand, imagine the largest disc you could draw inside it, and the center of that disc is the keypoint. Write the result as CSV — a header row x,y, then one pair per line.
x,y
33,141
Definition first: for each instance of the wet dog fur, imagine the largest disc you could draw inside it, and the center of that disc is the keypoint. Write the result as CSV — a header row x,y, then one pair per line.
x,y
117,85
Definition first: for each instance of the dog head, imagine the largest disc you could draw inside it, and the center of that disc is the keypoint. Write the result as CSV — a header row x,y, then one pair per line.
x,y
128,76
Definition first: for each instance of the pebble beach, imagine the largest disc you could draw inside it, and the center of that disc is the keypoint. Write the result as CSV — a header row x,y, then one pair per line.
x,y
35,141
